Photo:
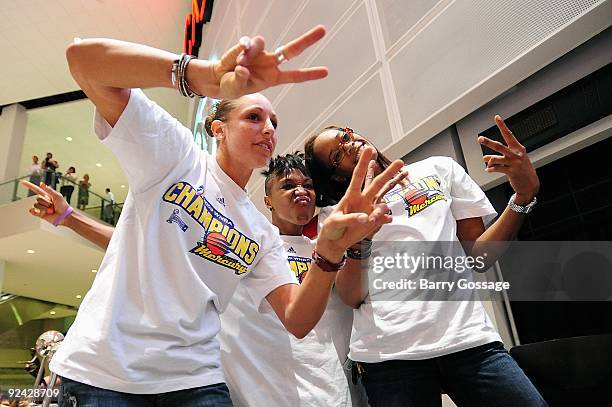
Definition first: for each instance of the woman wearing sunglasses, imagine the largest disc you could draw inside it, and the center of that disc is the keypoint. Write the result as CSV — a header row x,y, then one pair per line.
x,y
409,351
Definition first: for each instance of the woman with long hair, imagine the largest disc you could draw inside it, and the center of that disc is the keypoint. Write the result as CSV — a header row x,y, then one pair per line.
x,y
408,349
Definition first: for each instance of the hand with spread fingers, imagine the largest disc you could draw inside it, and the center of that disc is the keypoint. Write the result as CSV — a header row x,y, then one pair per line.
x,y
360,212
49,204
513,161
397,178
248,68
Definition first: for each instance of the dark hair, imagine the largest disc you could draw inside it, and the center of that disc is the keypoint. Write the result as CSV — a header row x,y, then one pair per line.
x,y
281,165
73,169
219,111
328,187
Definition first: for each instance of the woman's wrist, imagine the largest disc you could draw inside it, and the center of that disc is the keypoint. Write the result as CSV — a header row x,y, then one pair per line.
x,y
70,221
200,76
361,250
327,264
523,199
63,217
330,254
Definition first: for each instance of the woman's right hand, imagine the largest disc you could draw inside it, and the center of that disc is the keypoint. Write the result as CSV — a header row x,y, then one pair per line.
x,y
360,212
248,68
399,177
49,204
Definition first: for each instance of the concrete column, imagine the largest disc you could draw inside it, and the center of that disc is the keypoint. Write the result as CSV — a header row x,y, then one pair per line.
x,y
13,122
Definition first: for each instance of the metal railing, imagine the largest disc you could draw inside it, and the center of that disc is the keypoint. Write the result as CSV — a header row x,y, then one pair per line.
x,y
85,199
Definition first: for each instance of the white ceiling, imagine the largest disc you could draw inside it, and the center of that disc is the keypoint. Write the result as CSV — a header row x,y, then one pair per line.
x,y
35,33
33,38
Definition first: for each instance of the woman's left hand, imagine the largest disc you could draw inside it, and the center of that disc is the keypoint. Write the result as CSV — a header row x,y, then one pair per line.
x,y
359,212
513,161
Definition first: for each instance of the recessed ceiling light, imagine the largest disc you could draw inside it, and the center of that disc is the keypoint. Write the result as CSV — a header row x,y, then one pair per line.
x,y
98,165
79,296
122,186
94,270
52,312
68,138
30,251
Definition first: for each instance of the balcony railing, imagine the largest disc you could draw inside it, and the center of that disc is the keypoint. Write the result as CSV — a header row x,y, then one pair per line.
x,y
96,205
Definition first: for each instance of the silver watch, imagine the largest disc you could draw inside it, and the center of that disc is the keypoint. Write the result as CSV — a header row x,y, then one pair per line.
x,y
520,208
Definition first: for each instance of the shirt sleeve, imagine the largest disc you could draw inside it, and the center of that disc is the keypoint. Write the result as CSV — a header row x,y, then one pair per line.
x,y
271,271
149,143
468,200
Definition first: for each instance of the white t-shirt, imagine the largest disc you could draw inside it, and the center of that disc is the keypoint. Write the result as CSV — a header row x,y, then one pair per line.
x,y
186,237
34,170
69,179
438,194
266,366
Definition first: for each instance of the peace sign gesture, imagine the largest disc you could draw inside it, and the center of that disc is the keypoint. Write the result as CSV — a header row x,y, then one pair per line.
x,y
49,204
513,161
360,212
248,68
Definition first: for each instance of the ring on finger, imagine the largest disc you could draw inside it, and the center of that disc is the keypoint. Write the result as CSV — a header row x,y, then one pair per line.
x,y
280,55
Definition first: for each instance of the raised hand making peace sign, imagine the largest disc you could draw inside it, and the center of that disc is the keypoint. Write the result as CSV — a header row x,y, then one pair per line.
x,y
49,205
513,161
360,212
248,68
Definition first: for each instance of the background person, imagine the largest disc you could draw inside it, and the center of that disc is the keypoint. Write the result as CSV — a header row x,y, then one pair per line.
x,y
49,165
108,212
408,350
67,183
83,196
35,172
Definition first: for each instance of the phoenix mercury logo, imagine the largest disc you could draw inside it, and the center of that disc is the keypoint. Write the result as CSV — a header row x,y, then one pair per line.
x,y
418,195
222,243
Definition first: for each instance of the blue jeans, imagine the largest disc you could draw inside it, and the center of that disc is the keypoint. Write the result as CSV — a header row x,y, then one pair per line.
x,y
355,385
482,376
76,394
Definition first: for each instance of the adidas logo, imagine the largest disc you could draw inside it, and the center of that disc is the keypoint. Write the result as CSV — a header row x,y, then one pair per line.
x,y
291,250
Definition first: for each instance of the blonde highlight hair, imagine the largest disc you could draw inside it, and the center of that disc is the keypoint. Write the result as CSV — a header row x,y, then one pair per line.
x,y
220,111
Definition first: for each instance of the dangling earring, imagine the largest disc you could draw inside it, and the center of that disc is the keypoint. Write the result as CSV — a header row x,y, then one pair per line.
x,y
270,208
